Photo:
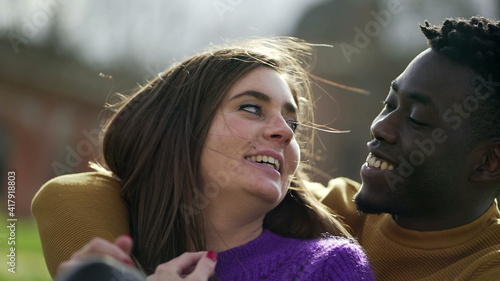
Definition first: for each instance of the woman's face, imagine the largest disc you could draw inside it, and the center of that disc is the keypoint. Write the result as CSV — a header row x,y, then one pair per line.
x,y
250,152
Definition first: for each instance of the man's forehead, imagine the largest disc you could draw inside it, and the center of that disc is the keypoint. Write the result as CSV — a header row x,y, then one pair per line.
x,y
433,74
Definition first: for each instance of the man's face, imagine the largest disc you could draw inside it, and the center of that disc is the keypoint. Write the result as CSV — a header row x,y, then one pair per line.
x,y
419,160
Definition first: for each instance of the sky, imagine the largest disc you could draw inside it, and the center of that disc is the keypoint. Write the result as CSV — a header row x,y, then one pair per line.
x,y
105,31
152,32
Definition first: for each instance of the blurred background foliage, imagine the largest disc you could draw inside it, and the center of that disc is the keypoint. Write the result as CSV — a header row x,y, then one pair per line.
x,y
53,51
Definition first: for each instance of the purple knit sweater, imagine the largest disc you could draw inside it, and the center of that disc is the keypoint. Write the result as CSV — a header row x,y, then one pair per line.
x,y
272,257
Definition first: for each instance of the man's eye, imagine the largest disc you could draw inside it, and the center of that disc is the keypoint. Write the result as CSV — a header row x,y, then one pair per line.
x,y
388,106
251,108
415,122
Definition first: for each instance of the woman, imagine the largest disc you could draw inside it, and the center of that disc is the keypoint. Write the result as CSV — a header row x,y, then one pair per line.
x,y
208,155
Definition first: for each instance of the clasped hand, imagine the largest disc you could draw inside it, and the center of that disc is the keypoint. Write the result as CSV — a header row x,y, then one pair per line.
x,y
188,266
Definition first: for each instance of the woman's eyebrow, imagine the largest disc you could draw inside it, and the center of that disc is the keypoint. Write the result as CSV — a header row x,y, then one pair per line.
x,y
290,107
256,94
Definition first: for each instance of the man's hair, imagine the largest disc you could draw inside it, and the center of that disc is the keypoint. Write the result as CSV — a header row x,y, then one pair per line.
x,y
474,43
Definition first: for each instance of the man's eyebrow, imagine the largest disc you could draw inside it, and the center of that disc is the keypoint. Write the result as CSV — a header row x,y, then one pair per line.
x,y
264,97
418,97
394,85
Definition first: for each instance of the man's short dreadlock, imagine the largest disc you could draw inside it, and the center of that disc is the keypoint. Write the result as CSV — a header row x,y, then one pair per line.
x,y
474,43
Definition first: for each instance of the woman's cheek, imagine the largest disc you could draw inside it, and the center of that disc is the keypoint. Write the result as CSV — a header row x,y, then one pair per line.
x,y
294,157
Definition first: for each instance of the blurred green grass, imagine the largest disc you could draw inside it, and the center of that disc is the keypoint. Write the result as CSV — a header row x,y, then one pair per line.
x,y
30,264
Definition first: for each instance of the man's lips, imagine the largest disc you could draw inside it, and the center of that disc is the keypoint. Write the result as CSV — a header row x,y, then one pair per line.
x,y
373,161
376,159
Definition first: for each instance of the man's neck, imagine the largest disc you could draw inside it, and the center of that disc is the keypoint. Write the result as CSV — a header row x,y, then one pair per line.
x,y
444,221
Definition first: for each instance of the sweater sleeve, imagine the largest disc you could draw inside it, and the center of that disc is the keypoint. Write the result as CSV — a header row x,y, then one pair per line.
x,y
339,196
348,263
70,210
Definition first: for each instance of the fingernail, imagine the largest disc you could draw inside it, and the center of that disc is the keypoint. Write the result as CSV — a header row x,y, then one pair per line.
x,y
126,235
128,261
212,255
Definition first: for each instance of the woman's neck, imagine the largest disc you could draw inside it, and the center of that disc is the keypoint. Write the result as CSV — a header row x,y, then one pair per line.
x,y
219,241
226,230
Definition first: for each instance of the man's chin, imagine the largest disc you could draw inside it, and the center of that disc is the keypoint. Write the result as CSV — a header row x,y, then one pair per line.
x,y
391,205
366,206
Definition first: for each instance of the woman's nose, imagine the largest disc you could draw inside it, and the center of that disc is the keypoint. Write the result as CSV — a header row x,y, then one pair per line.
x,y
279,130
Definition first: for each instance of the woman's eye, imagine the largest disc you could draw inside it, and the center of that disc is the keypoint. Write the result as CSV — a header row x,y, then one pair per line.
x,y
251,108
293,124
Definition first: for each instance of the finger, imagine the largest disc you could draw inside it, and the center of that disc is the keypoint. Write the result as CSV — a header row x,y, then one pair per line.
x,y
185,263
125,243
99,246
63,267
206,266
179,265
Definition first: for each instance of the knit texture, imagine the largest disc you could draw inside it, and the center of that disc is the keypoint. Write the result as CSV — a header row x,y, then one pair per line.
x,y
273,257
468,252
70,210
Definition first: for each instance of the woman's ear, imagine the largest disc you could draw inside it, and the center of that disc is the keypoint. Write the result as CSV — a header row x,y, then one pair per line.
x,y
489,170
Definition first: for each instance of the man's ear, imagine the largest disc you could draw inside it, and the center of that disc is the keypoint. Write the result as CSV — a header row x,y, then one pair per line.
x,y
489,170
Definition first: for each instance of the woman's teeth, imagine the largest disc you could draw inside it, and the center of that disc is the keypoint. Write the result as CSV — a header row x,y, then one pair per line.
x,y
375,162
266,160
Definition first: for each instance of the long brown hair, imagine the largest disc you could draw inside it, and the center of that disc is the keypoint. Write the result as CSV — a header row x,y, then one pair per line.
x,y
154,140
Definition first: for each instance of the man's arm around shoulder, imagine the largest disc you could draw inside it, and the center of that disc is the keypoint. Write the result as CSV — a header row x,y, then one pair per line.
x,y
339,196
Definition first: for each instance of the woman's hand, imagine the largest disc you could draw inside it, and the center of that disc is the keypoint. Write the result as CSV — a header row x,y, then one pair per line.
x,y
120,251
188,266
197,266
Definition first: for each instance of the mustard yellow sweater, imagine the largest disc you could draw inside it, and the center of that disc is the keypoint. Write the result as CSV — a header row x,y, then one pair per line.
x,y
468,252
72,209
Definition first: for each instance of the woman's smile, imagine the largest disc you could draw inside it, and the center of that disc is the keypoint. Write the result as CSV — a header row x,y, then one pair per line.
x,y
255,123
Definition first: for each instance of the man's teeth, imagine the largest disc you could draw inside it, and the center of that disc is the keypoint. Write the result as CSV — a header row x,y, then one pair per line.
x,y
375,162
266,160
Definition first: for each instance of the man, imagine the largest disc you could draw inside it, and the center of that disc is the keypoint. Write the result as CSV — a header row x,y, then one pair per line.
x,y
433,169
427,200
